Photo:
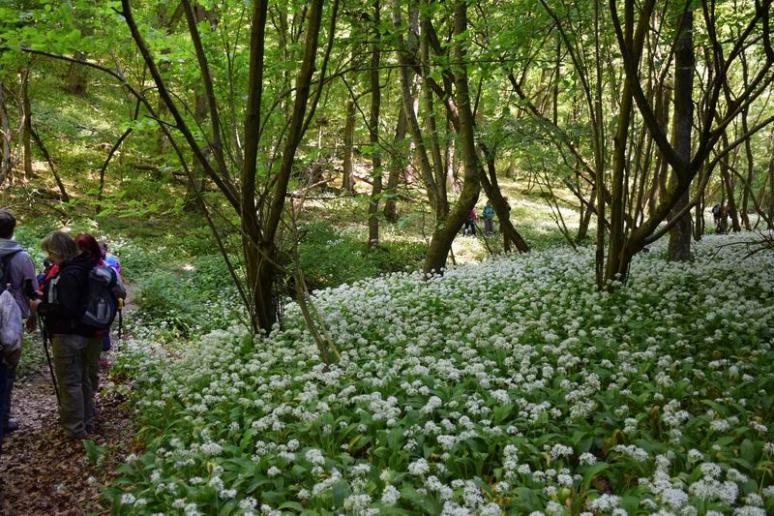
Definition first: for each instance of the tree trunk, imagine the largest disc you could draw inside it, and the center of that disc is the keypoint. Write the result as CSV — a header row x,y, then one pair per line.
x,y
444,234
728,188
599,149
680,235
500,205
748,180
373,133
6,162
398,162
263,272
698,224
405,54
618,255
585,219
76,80
103,168
194,188
771,184
661,167
261,216
439,171
618,192
347,183
62,191
26,123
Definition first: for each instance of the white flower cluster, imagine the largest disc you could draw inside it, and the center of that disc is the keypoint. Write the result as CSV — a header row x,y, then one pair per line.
x,y
506,387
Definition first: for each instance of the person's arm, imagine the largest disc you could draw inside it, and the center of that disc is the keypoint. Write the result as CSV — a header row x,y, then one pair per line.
x,y
28,274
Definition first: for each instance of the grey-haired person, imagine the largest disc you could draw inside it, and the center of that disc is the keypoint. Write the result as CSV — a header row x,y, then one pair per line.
x,y
62,308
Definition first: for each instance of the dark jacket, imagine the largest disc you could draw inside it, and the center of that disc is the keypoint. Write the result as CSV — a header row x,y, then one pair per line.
x,y
71,286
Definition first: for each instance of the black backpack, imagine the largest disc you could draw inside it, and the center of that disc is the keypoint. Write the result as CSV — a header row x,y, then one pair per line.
x,y
105,288
5,266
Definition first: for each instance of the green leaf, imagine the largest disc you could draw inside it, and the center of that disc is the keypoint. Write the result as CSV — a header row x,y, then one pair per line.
x,y
292,505
340,491
591,473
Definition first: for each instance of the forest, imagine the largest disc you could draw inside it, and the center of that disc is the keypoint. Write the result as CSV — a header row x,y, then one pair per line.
x,y
392,256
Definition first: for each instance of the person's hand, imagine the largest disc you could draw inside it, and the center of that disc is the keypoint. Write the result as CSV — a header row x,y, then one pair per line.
x,y
13,355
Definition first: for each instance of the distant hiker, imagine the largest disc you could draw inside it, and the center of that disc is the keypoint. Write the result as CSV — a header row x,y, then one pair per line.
x,y
721,214
470,223
489,214
16,269
74,342
111,260
716,214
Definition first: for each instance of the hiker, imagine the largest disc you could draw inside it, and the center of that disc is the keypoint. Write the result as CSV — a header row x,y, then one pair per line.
x,y
489,218
721,214
470,223
89,246
113,262
16,269
716,217
110,259
74,343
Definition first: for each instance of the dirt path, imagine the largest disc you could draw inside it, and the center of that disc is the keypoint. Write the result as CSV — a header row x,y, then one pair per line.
x,y
43,471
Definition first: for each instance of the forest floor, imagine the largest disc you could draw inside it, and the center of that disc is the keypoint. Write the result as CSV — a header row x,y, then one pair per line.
x,y
44,471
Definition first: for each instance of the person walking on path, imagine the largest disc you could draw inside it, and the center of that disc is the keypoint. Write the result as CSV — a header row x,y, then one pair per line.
x,y
114,263
16,268
489,214
72,341
109,258
470,223
88,245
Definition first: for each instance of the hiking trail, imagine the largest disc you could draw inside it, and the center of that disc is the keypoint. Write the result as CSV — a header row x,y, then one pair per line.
x,y
44,471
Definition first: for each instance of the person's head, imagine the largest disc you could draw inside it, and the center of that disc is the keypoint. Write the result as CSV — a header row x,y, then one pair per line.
x,y
103,249
60,247
7,224
88,245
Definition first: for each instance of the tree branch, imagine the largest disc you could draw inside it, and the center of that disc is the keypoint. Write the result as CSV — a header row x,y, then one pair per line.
x,y
204,68
225,186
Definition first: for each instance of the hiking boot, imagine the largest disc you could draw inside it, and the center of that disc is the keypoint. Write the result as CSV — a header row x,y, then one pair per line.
x,y
11,426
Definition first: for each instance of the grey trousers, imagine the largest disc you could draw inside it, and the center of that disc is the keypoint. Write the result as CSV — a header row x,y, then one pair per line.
x,y
72,365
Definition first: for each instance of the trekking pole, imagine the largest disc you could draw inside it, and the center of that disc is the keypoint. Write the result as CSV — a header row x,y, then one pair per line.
x,y
45,336
120,317
31,294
